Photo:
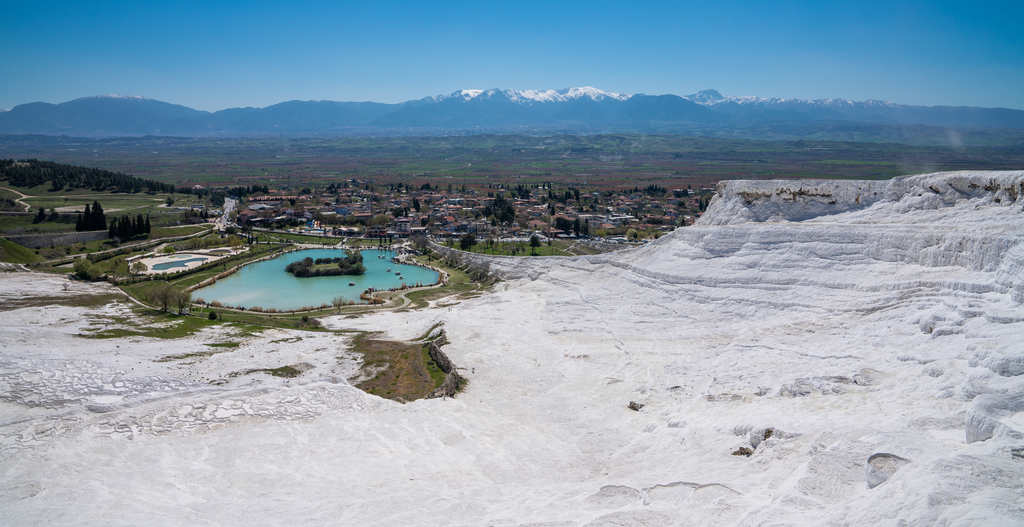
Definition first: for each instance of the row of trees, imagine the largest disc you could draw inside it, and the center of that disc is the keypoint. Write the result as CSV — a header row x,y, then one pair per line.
x,y
468,240
53,217
86,269
167,295
572,193
575,226
93,219
125,228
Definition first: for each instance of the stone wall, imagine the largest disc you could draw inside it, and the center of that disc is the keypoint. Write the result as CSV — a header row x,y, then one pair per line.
x,y
37,241
452,381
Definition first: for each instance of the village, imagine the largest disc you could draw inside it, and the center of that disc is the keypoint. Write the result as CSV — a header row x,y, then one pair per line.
x,y
394,211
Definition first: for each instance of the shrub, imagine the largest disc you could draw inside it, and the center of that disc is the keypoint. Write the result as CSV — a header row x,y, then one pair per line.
x,y
213,315
82,267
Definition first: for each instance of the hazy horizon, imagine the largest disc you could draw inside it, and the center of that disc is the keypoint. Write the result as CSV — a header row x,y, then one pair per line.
x,y
134,95
212,57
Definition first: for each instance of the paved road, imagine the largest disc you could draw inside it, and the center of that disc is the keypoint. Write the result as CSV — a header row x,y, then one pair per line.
x,y
223,221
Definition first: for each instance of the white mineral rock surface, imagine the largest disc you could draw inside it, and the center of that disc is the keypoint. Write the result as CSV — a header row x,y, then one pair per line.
x,y
817,324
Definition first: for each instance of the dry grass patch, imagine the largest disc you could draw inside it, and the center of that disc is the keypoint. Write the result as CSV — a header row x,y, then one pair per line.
x,y
396,370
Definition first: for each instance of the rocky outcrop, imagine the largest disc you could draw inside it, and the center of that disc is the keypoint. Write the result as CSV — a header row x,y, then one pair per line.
x,y
742,201
992,415
881,466
499,267
452,381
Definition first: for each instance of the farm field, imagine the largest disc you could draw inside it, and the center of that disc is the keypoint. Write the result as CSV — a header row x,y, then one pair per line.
x,y
612,161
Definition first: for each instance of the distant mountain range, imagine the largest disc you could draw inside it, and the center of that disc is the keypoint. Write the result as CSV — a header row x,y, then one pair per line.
x,y
586,110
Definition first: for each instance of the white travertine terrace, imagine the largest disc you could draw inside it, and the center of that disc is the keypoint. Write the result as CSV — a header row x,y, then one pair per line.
x,y
816,324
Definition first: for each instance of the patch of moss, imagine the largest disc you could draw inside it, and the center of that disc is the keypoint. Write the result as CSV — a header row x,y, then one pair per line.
x,y
184,356
159,325
435,371
224,345
287,340
283,371
84,300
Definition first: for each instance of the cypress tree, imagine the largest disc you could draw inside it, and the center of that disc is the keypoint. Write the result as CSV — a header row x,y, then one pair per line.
x,y
87,219
99,219
124,228
147,224
78,224
140,225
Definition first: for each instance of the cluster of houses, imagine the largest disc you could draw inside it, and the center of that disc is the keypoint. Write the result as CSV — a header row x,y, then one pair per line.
x,y
399,211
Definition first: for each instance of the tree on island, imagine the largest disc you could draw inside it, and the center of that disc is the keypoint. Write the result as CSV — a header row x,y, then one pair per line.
x,y
349,265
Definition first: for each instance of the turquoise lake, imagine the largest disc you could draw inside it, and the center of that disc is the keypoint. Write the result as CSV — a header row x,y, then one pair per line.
x,y
267,284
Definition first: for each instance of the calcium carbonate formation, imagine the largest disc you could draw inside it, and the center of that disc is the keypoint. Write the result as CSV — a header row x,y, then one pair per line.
x,y
810,353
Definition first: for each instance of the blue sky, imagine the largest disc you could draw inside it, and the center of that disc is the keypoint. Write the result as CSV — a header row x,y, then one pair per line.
x,y
215,55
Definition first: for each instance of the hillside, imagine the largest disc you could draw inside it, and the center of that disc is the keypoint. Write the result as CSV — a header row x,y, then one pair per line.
x,y
824,353
33,172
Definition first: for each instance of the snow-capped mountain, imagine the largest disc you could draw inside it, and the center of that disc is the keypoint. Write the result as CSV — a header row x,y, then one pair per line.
x,y
121,97
578,109
759,109
532,96
713,98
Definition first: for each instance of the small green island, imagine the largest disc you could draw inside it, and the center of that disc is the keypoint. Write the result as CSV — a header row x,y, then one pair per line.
x,y
308,267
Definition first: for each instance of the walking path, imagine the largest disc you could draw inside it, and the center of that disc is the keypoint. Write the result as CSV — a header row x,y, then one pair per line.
x,y
19,200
